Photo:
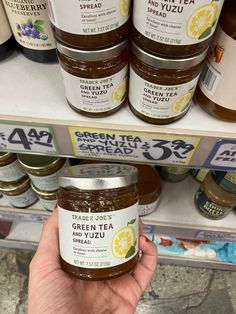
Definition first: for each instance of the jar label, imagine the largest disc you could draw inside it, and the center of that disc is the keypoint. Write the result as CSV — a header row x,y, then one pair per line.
x,y
177,22
148,208
96,95
11,172
209,208
89,17
47,183
23,200
30,23
48,204
160,101
200,174
226,180
5,30
216,81
98,240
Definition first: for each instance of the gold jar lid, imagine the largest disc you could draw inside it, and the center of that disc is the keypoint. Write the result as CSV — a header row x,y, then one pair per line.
x,y
5,155
14,187
43,193
38,162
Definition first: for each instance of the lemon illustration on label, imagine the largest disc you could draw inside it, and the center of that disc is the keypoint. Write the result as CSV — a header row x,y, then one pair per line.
x,y
182,102
125,7
123,242
202,19
119,92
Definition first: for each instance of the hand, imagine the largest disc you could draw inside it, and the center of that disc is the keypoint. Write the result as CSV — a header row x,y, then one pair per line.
x,y
51,290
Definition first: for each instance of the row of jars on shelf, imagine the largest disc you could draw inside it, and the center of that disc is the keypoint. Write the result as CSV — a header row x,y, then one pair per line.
x,y
164,70
23,178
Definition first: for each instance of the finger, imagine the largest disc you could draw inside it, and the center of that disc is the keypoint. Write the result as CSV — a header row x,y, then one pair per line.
x,y
49,243
147,264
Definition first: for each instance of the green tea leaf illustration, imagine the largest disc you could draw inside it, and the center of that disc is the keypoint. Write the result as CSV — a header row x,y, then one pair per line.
x,y
130,252
131,222
206,33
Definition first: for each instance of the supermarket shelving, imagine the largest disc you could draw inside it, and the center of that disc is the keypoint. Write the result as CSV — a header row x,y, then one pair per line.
x,y
33,93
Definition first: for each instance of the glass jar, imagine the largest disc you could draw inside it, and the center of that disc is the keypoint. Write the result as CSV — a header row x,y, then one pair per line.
x,y
43,171
31,28
175,29
216,93
96,82
226,180
7,42
212,201
98,220
10,168
149,187
199,174
47,199
161,90
19,194
174,174
91,25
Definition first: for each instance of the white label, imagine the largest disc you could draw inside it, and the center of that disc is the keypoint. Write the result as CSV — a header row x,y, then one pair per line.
x,y
27,138
216,80
96,95
160,101
11,172
177,22
30,23
5,30
148,208
89,17
23,200
48,204
225,156
47,183
98,240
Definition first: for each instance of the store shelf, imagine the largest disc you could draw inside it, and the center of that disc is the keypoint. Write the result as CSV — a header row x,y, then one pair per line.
x,y
26,236
33,94
178,217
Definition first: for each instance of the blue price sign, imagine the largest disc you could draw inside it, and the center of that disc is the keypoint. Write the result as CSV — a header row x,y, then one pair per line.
x,y
223,156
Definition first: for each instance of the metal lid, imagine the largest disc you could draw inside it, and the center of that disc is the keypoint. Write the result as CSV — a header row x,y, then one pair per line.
x,y
37,162
98,176
14,187
43,193
5,155
93,55
163,63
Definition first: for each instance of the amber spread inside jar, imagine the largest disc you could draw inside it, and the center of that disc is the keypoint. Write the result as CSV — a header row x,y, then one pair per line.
x,y
161,90
96,82
10,169
213,201
174,29
216,93
97,208
43,170
19,194
93,25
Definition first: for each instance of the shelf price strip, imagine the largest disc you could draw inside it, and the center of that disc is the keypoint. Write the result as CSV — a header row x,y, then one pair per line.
x,y
23,137
216,236
133,146
22,217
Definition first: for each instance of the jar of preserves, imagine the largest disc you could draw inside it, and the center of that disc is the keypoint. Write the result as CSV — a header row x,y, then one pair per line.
x,y
216,93
95,81
98,220
149,187
175,29
174,174
7,42
226,180
47,199
43,171
212,201
90,25
161,89
19,194
31,28
10,168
